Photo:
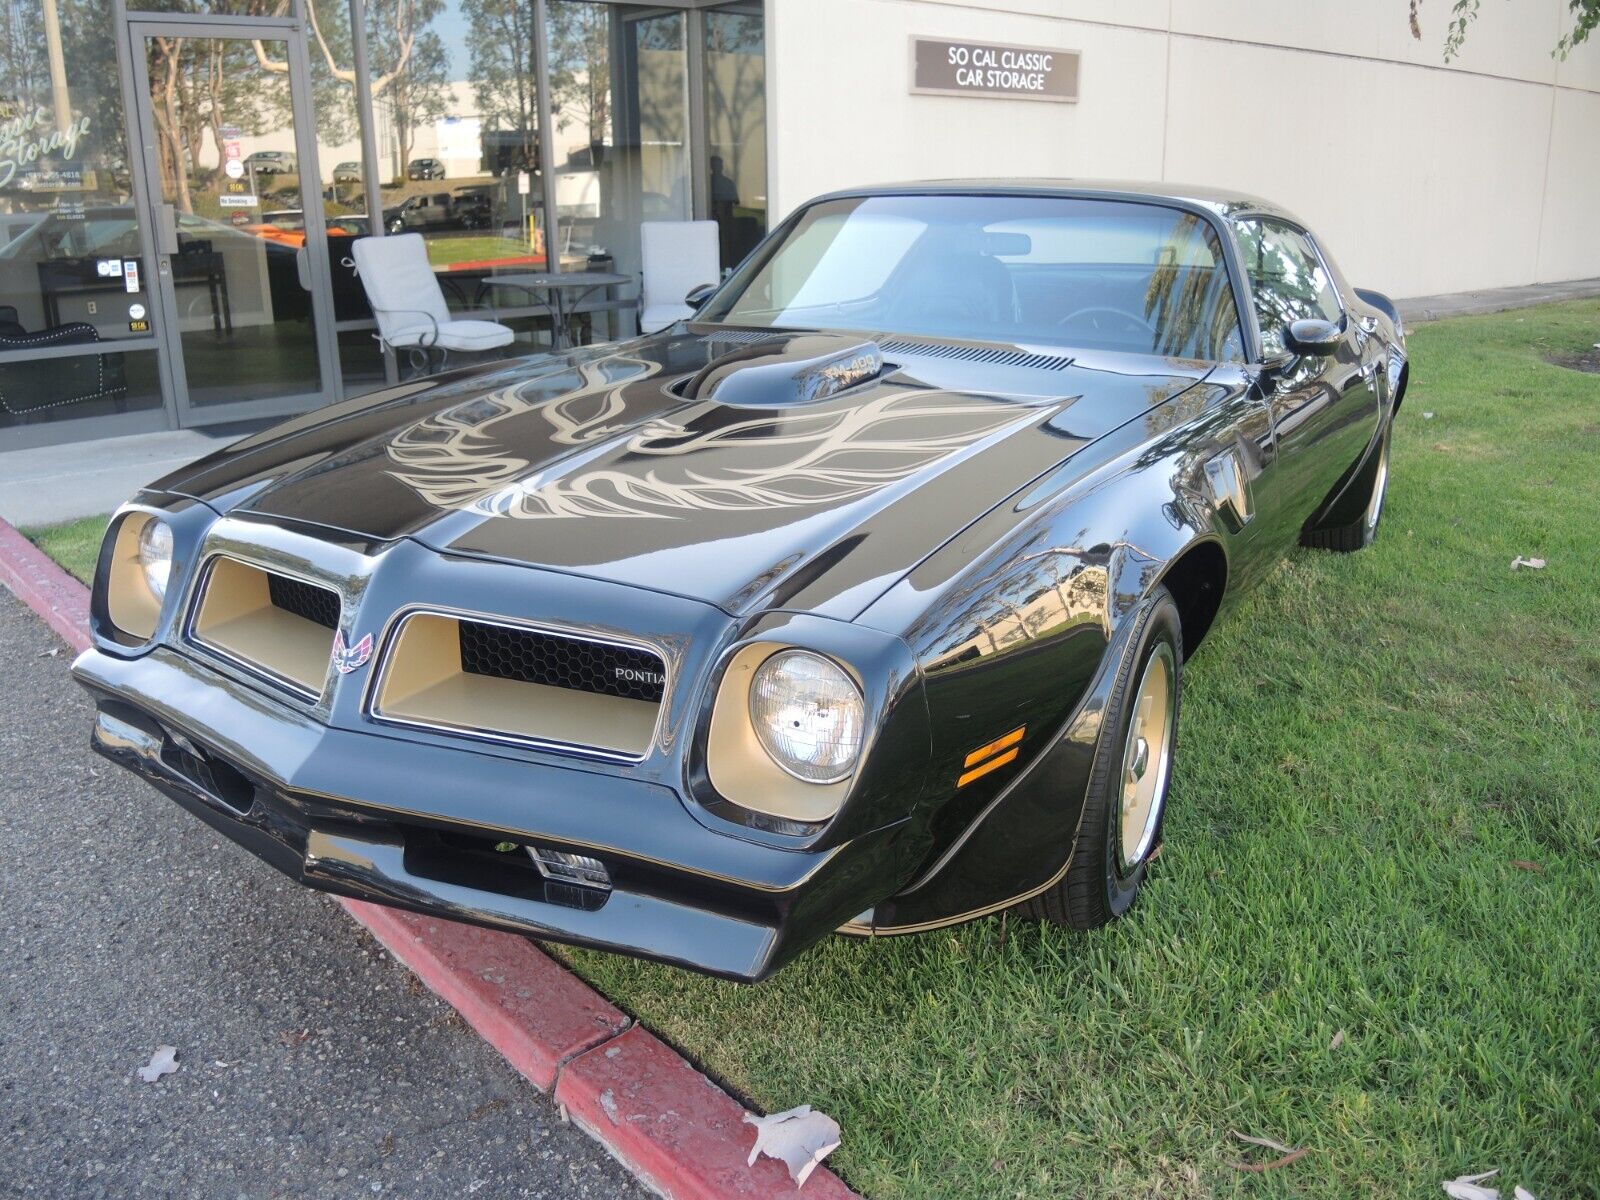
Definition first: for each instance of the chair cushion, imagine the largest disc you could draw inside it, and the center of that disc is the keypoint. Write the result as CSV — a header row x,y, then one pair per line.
x,y
473,335
677,257
400,285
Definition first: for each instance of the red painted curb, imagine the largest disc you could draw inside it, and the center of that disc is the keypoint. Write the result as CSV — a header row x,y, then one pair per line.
x,y
655,1113
535,1012
43,586
673,1127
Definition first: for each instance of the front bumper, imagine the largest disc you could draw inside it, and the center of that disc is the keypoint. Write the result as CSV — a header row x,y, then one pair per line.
x,y
414,825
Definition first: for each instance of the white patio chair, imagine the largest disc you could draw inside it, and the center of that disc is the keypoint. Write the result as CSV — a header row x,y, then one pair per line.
x,y
409,306
677,257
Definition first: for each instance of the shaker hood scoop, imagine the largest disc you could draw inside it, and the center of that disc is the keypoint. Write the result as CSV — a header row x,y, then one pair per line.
x,y
736,469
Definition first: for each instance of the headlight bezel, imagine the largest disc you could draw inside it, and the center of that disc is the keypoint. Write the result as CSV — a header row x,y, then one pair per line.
x,y
743,776
130,607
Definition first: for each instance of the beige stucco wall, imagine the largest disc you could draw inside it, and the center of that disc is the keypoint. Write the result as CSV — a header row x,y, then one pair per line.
x,y
1422,177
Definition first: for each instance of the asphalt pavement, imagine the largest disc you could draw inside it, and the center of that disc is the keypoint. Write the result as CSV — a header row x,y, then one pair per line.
x,y
309,1063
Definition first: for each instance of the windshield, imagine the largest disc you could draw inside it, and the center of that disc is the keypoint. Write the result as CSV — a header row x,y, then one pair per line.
x,y
1095,274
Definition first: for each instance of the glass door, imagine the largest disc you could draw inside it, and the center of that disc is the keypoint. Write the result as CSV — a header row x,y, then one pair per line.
x,y
235,204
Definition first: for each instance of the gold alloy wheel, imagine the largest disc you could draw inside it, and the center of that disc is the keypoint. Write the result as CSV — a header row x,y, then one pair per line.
x,y
1147,760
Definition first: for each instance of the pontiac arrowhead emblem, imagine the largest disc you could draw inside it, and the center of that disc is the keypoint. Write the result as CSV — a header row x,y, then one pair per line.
x,y
350,658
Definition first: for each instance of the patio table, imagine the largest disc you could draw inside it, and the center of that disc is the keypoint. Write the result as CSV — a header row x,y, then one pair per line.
x,y
565,292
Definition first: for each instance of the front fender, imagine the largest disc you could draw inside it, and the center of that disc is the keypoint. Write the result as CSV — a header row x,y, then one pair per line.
x,y
1028,637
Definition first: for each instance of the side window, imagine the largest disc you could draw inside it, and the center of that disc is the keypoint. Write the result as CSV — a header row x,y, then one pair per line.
x,y
1286,277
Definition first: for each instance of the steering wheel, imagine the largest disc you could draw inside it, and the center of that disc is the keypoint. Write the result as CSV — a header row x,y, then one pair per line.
x,y
1103,320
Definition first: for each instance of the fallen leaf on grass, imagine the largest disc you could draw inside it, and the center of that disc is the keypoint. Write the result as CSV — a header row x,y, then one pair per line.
x,y
163,1062
1465,1187
799,1137
1289,1155
1533,564
1523,864
1267,1142
1338,1040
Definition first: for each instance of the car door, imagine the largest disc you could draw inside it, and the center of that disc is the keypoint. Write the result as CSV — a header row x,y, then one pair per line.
x,y
1324,408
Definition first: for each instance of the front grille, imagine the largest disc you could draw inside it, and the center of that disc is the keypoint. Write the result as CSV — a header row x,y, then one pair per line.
x,y
533,656
268,623
304,600
517,682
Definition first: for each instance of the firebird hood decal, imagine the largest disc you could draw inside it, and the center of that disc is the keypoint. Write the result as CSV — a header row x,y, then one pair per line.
x,y
821,504
793,459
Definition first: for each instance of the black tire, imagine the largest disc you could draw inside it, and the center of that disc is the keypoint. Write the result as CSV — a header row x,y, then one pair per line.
x,y
1099,885
1370,490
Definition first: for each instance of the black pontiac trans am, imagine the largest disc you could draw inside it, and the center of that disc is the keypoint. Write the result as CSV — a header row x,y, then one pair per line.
x,y
858,601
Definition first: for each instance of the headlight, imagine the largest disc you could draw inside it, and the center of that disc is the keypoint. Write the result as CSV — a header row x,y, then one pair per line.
x,y
155,556
808,716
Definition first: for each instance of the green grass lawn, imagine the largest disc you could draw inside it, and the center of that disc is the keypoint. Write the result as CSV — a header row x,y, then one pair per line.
x,y
1370,746
1384,825
75,544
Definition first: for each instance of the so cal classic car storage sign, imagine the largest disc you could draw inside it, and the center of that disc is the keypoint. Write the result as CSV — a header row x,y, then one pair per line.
x,y
985,69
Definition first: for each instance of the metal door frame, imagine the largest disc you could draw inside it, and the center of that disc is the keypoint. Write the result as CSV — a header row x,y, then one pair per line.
x,y
133,29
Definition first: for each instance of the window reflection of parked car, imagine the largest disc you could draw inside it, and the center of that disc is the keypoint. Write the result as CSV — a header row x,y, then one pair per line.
x,y
288,226
425,168
437,211
475,205
347,172
272,162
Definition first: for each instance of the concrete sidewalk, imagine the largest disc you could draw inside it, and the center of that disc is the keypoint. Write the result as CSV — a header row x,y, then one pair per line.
x,y
47,484
1491,300
310,1064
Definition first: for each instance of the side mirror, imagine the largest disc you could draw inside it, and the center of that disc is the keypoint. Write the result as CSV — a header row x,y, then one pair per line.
x,y
1313,337
699,295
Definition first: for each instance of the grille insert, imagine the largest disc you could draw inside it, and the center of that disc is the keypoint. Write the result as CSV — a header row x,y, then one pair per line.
x,y
533,656
305,600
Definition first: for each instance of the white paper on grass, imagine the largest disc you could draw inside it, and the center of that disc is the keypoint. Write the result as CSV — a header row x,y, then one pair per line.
x,y
1466,1187
800,1138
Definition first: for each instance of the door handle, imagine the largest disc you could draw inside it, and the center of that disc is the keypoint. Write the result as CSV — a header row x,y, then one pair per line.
x,y
302,268
166,229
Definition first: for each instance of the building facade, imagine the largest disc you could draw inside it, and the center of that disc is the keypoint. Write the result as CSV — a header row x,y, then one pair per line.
x,y
181,180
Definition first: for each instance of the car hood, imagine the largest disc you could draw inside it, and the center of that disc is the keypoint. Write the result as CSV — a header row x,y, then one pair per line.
x,y
705,463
